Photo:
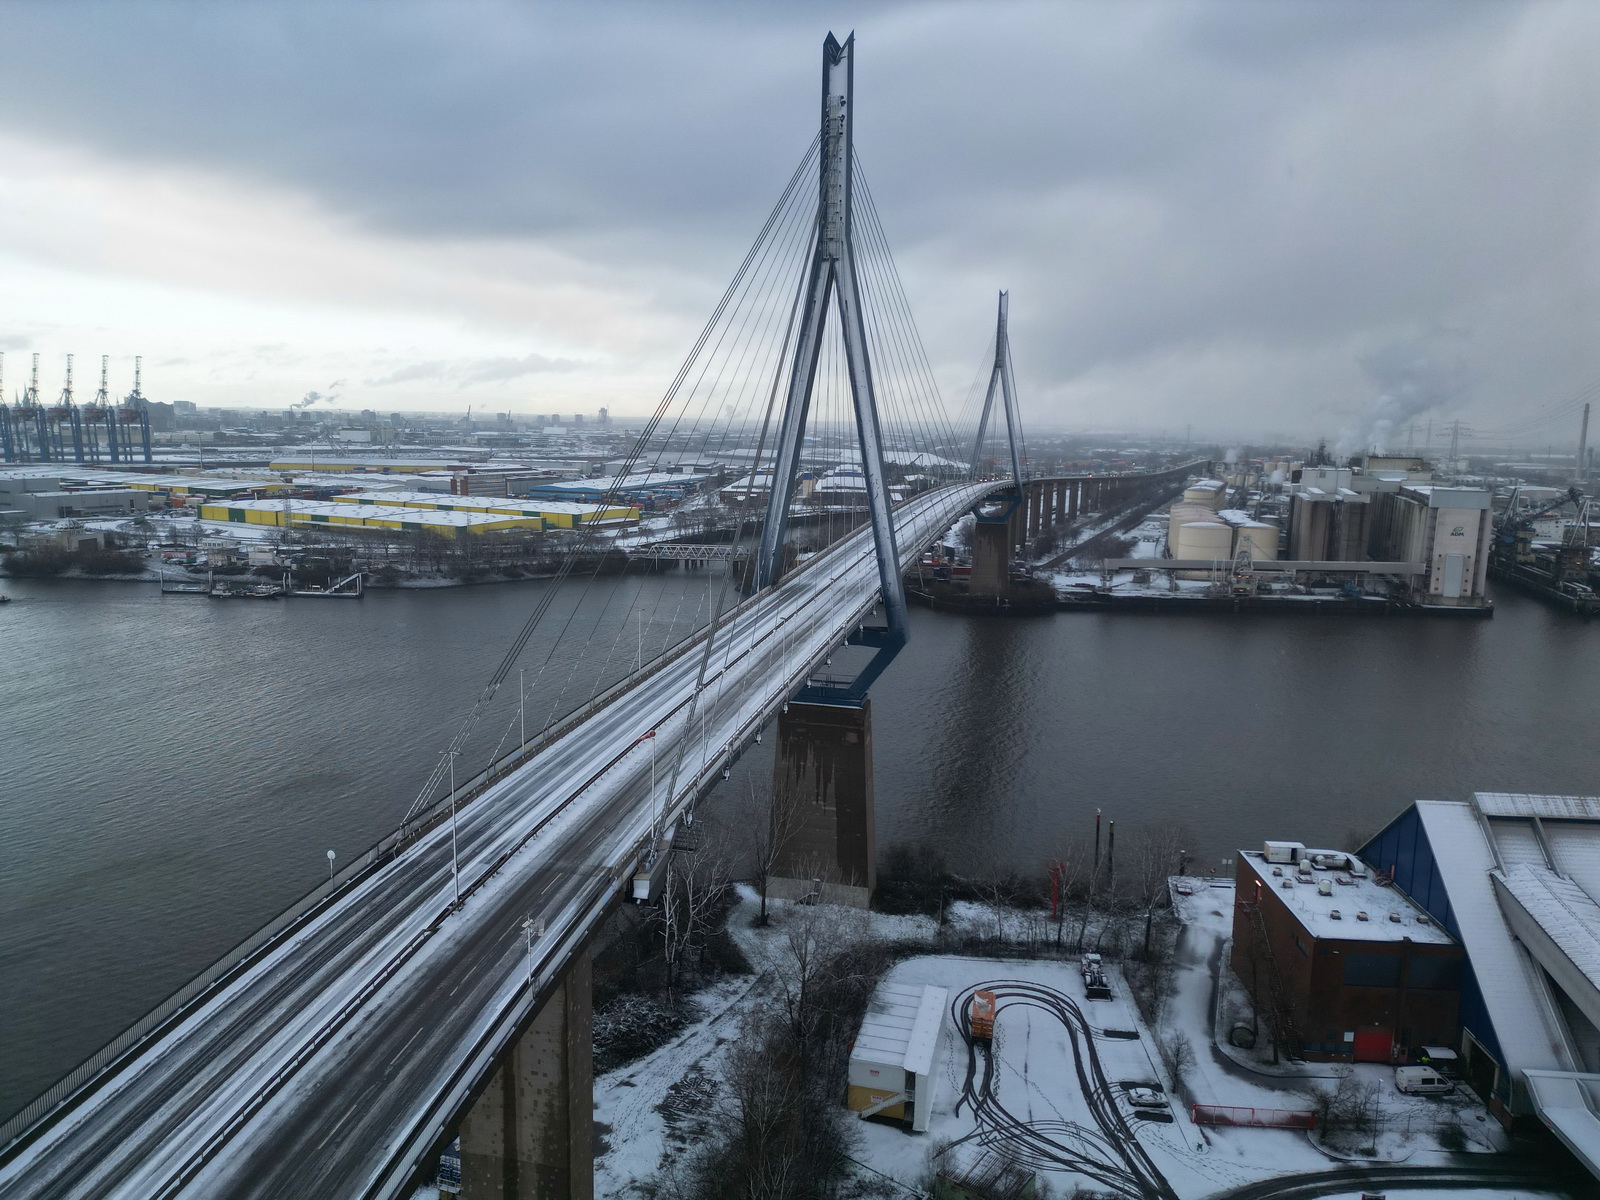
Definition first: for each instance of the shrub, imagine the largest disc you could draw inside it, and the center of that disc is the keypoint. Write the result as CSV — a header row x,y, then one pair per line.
x,y
39,563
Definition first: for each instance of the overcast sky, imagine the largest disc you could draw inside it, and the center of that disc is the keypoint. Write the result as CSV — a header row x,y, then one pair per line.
x,y
1217,214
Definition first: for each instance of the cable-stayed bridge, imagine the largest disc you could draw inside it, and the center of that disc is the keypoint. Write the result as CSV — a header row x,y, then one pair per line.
x,y
440,981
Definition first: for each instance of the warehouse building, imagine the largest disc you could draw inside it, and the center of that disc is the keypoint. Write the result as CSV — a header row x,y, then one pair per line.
x,y
1516,879
44,499
646,490
556,514
892,1072
312,513
1345,965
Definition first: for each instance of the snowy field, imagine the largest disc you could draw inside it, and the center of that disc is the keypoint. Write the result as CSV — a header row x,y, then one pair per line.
x,y
651,1112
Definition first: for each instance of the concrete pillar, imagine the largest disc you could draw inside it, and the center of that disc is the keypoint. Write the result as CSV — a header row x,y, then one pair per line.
x,y
530,1136
823,805
991,559
1077,495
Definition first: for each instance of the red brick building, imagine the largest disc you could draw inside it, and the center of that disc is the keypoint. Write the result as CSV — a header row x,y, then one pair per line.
x,y
1338,960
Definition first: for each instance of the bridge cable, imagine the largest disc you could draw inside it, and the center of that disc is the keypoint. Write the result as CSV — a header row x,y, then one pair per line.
x,y
514,651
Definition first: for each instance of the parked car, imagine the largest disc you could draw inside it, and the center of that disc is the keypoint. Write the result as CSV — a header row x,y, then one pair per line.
x,y
1421,1081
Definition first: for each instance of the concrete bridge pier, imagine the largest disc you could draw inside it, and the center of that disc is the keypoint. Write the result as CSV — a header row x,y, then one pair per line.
x,y
993,548
530,1135
824,820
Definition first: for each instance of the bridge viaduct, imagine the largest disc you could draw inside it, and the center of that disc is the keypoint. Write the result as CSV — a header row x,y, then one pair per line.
x,y
441,984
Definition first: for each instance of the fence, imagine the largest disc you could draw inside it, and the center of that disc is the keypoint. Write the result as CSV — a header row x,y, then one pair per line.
x,y
1256,1118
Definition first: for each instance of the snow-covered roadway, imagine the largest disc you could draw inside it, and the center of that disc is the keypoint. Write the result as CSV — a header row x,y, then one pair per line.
x,y
346,1050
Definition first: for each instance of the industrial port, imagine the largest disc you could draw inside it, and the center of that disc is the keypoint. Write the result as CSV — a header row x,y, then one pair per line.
x,y
1270,532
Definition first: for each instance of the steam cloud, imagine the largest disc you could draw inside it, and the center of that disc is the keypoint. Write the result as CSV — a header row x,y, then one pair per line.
x,y
1411,378
311,398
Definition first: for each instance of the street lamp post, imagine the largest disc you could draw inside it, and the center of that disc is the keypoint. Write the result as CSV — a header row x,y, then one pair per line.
x,y
533,929
455,862
331,857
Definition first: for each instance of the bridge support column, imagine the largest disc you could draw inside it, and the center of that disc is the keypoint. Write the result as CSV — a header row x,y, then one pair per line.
x,y
530,1136
992,552
823,804
1076,487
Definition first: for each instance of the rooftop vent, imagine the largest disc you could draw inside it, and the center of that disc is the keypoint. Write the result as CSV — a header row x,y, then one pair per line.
x,y
1324,887
1361,916
1288,883
1335,915
1395,917
1344,880
1424,921
1277,871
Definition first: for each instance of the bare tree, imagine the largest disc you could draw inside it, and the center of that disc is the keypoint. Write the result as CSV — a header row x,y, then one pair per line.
x,y
1158,855
770,838
1072,866
696,882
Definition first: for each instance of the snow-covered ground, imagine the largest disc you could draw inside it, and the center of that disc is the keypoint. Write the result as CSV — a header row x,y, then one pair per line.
x,y
650,1111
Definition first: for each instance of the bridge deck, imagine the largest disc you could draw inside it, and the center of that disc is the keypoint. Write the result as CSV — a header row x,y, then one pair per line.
x,y
353,1044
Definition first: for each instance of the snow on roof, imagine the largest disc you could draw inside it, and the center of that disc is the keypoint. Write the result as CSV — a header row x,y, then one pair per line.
x,y
901,1027
1567,1103
1525,804
1566,912
1298,886
1463,859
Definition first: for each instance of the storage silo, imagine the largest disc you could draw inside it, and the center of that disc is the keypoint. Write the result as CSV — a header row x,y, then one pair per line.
x,y
1208,540
1262,539
1183,514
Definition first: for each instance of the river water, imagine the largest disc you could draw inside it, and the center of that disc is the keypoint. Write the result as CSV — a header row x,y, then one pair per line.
x,y
173,770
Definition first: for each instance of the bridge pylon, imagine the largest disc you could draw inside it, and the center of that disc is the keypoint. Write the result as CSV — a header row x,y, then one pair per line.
x,y
1000,380
832,275
995,536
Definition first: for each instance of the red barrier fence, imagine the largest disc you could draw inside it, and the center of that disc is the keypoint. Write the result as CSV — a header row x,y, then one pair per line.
x,y
1259,1118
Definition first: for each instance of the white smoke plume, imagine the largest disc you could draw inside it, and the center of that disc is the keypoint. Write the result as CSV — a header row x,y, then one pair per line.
x,y
1411,378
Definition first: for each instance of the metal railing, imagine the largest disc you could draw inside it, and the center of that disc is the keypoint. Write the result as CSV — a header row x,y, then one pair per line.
x,y
97,1065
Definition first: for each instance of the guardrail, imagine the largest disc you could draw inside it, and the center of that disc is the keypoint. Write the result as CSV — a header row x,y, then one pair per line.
x,y
166,1014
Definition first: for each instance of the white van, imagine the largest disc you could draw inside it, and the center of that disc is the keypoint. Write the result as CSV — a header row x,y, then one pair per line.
x,y
1421,1081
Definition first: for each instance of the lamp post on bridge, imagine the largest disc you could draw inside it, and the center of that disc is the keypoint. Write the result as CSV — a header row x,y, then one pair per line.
x,y
455,862
533,929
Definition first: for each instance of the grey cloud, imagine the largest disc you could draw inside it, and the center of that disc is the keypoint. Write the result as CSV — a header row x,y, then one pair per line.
x,y
15,342
1251,191
467,373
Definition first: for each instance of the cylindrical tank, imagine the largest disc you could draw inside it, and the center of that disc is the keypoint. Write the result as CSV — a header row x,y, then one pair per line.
x,y
1208,540
1181,515
1208,496
1262,537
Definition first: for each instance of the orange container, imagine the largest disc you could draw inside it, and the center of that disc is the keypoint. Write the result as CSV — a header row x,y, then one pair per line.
x,y
982,1022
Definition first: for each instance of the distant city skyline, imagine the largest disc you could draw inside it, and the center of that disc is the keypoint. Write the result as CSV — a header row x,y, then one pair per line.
x,y
1218,215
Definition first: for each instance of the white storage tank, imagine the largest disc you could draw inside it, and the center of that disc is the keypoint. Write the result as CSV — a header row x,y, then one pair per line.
x,y
1262,539
1208,492
1184,514
1208,540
